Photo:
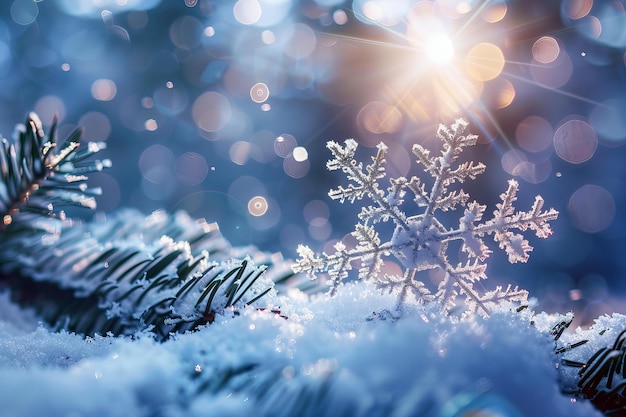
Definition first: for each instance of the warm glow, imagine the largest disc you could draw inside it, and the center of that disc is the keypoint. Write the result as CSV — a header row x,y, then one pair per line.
x,y
428,33
504,95
439,49
494,13
484,62
373,11
447,74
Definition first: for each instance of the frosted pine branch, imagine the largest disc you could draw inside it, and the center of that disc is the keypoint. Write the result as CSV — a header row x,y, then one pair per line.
x,y
38,176
420,241
167,273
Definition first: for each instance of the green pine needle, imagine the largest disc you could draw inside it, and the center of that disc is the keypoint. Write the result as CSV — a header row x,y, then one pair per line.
x,y
37,177
123,275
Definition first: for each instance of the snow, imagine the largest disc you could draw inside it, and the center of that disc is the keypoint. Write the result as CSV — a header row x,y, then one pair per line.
x,y
352,354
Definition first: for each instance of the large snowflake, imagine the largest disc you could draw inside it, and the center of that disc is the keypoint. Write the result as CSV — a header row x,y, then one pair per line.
x,y
420,242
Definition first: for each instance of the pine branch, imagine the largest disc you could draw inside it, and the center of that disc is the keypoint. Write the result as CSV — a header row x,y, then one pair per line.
x,y
37,177
122,275
121,279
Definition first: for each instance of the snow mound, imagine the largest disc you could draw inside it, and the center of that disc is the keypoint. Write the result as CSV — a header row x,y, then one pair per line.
x,y
352,355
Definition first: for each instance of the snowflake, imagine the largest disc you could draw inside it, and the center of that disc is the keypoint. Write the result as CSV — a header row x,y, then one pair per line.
x,y
420,242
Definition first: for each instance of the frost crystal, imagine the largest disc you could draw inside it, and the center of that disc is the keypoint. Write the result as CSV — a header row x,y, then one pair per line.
x,y
420,242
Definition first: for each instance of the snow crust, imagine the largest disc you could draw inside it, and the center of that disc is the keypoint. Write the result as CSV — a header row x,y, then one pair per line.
x,y
350,355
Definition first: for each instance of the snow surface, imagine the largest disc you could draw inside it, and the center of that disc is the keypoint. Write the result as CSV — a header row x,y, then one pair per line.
x,y
350,355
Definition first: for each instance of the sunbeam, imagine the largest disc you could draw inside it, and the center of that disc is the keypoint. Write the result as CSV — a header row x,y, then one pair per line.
x,y
445,58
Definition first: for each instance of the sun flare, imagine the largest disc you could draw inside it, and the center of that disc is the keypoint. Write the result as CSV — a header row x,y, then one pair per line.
x,y
439,50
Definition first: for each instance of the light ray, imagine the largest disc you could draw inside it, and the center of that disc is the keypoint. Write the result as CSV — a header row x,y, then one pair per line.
x,y
471,19
555,90
370,42
448,64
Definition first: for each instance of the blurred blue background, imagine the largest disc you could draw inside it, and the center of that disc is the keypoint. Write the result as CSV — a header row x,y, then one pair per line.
x,y
223,109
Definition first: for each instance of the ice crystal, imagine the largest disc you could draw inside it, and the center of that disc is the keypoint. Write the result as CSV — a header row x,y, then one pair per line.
x,y
420,242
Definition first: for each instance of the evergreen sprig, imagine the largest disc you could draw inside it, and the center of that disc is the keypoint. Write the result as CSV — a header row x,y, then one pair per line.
x,y
167,273
125,274
38,177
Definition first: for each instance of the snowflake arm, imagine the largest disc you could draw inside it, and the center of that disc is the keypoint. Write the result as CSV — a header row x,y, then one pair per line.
x,y
473,245
420,241
405,286
505,218
309,263
461,279
369,246
337,265
364,183
440,167
495,298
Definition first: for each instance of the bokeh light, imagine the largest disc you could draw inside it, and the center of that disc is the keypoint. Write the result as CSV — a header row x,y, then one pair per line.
x,y
24,12
378,117
554,68
196,98
575,141
317,213
239,152
340,17
151,125
96,126
533,172
247,12
94,8
191,168
591,208
534,134
546,49
494,12
185,32
577,9
103,89
156,165
155,157
300,154
501,94
299,41
512,159
450,68
284,145
316,209
295,168
601,22
259,93
257,206
211,111
47,107
484,62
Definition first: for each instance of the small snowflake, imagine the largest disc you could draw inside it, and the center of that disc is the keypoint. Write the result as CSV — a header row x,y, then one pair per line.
x,y
420,242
